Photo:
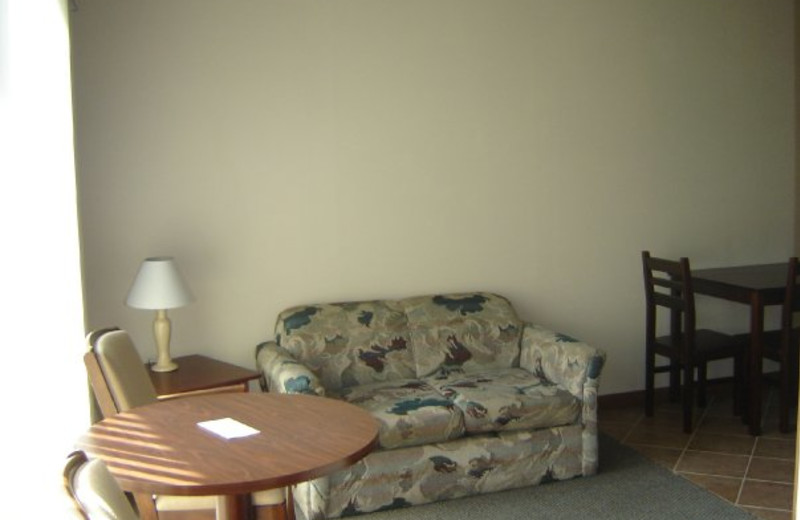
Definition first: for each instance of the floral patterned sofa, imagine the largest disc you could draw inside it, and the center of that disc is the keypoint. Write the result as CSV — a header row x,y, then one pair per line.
x,y
469,398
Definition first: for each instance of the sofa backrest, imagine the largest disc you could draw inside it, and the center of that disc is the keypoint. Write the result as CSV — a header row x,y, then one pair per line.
x,y
348,344
356,343
462,332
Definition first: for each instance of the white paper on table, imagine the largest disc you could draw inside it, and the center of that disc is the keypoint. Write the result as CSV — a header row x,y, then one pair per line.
x,y
228,428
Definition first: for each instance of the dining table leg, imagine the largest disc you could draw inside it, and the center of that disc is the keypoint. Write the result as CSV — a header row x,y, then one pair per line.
x,y
755,363
289,504
232,507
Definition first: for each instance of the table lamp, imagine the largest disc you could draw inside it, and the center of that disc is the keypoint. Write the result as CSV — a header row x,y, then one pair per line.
x,y
159,286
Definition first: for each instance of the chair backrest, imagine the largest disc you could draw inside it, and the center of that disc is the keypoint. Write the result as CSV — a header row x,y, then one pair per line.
x,y
94,490
117,374
668,284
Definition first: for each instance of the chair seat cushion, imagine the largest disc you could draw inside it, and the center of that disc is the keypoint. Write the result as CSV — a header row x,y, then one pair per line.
x,y
771,341
708,344
507,399
410,412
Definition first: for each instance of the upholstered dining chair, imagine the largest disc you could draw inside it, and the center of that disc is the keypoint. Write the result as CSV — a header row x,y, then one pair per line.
x,y
668,286
119,381
781,346
94,490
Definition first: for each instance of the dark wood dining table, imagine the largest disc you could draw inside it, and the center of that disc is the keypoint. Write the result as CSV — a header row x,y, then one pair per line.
x,y
758,286
159,449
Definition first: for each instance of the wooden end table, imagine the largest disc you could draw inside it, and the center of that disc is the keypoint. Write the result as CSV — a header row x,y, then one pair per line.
x,y
198,374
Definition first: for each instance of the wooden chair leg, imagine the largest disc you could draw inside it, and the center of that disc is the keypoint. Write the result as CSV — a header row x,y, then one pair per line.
x,y
791,399
783,398
649,384
688,397
738,385
674,381
744,395
702,377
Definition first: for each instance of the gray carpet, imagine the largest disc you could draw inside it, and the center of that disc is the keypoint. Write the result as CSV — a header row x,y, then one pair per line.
x,y
628,486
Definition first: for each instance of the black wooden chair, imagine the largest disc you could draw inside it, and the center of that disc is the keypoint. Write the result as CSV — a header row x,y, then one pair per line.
x,y
781,346
668,285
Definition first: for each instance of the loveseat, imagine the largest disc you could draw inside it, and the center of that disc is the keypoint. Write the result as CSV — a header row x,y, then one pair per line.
x,y
469,398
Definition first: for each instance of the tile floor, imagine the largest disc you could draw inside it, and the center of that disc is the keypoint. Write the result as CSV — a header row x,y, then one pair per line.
x,y
755,473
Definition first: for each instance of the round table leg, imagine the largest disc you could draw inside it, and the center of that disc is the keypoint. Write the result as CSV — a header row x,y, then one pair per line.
x,y
232,507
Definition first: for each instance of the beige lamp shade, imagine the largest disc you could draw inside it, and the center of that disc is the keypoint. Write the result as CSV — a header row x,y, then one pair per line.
x,y
159,285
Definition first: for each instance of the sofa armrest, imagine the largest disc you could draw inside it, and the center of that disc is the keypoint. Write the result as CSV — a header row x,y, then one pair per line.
x,y
574,366
561,359
282,373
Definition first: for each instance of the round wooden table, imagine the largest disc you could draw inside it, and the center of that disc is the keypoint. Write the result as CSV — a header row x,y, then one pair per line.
x,y
160,449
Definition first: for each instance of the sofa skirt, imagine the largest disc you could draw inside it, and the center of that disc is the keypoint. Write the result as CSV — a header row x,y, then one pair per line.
x,y
470,465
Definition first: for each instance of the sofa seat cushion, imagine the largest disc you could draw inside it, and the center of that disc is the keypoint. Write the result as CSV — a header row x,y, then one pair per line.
x,y
507,399
410,412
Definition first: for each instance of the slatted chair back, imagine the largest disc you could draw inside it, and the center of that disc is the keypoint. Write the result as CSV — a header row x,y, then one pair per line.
x,y
668,284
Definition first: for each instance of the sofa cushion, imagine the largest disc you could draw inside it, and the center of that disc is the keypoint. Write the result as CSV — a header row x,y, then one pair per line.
x,y
463,332
348,344
507,399
410,412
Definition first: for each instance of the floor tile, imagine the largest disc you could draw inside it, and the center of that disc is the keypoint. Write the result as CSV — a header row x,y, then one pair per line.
x,y
766,494
671,420
707,463
729,425
720,443
624,415
774,470
755,473
776,448
725,487
648,435
617,430
721,406
666,457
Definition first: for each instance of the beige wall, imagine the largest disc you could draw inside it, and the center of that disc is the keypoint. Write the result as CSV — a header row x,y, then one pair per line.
x,y
289,152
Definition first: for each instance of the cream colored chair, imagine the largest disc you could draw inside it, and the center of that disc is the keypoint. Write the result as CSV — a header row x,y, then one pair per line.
x,y
120,382
93,489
